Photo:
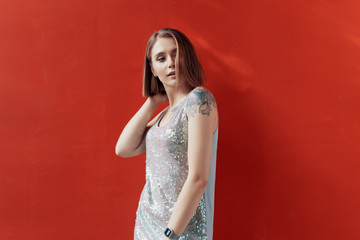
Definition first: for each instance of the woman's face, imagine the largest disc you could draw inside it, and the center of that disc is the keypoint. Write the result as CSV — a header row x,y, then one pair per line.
x,y
163,56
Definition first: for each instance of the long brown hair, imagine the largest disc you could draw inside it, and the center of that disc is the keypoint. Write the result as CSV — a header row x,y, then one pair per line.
x,y
189,71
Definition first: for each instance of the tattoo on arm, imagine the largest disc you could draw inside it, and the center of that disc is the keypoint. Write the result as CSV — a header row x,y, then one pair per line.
x,y
201,101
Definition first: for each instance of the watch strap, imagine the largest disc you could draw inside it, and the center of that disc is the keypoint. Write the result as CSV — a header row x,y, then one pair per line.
x,y
170,234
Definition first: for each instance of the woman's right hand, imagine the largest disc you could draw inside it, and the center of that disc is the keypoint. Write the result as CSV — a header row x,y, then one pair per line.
x,y
131,141
159,98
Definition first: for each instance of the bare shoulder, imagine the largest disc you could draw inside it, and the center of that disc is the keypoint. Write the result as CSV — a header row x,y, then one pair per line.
x,y
153,121
201,101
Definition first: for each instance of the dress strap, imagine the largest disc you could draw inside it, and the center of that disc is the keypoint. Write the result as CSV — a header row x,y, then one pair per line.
x,y
161,116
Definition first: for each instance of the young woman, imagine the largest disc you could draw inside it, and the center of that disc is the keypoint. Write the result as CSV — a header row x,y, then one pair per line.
x,y
177,201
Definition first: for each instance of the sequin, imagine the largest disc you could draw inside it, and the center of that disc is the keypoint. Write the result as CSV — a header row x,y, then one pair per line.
x,y
166,172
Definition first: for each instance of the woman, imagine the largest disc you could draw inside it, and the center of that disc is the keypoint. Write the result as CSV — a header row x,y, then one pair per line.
x,y
177,201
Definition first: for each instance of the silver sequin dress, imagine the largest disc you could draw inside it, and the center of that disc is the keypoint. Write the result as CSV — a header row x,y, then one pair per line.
x,y
166,172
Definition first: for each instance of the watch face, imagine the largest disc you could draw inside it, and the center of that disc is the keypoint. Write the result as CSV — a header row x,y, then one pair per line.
x,y
167,232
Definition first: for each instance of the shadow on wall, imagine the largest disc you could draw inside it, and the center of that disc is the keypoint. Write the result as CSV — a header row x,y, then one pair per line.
x,y
245,147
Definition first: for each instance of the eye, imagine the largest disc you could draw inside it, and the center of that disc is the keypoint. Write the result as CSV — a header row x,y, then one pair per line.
x,y
161,59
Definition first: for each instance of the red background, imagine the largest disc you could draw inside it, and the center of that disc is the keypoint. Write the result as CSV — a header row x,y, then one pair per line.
x,y
286,76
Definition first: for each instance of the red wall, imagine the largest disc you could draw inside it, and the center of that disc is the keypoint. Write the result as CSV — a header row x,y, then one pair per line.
x,y
286,76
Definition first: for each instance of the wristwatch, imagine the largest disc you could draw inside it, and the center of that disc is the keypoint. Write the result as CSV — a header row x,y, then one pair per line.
x,y
170,234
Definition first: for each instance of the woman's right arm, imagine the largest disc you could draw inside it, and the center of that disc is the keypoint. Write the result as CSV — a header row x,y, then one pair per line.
x,y
132,139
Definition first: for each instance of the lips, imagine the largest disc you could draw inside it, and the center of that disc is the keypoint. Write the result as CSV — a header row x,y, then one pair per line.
x,y
171,73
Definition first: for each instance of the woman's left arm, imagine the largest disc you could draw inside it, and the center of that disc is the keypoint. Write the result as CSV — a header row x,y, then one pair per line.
x,y
202,122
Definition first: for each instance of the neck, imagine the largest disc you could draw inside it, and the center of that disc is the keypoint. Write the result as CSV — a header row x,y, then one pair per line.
x,y
175,95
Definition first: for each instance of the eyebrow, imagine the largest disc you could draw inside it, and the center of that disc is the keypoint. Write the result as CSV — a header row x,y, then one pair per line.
x,y
159,53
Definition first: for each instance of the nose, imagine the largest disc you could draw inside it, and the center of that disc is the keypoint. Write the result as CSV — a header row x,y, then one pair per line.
x,y
171,62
